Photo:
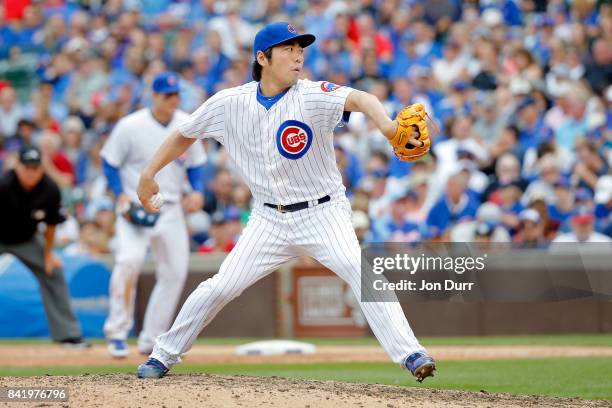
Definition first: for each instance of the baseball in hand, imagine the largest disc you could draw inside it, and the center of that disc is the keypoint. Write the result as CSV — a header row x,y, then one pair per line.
x,y
157,200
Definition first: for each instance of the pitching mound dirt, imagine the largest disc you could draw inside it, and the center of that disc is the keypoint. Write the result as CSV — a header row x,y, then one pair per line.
x,y
204,390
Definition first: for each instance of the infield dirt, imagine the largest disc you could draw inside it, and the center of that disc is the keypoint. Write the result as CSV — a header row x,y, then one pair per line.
x,y
205,390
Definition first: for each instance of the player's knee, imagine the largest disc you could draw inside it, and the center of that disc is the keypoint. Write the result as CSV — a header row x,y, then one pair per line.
x,y
176,280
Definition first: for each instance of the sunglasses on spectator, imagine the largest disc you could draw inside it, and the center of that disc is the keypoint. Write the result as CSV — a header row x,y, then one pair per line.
x,y
170,95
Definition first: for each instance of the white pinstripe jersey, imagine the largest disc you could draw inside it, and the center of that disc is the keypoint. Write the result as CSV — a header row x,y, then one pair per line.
x,y
285,154
134,141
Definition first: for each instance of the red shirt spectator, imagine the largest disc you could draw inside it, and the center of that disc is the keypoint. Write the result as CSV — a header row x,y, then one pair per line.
x,y
364,28
13,9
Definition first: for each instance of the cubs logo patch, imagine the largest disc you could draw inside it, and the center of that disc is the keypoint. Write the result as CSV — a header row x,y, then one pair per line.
x,y
293,139
291,28
329,86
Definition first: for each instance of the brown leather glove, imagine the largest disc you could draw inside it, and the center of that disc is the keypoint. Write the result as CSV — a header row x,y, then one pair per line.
x,y
410,122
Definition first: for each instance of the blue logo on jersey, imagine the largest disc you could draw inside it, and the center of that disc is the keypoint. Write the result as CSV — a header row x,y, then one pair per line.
x,y
293,139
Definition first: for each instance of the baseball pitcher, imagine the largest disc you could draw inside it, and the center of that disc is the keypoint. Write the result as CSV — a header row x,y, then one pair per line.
x,y
278,130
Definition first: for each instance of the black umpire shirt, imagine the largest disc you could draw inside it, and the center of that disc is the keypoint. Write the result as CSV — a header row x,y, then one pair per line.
x,y
21,211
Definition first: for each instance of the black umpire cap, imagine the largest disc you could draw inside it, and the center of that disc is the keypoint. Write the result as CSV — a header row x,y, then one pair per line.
x,y
30,156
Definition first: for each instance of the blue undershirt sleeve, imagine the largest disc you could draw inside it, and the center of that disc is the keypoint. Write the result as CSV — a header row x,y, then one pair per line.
x,y
113,178
196,178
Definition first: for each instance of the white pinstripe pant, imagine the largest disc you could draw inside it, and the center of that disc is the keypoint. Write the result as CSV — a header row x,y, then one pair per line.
x,y
170,247
324,232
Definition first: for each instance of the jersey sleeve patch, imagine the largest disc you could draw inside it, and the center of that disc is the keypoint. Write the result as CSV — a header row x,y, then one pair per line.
x,y
328,87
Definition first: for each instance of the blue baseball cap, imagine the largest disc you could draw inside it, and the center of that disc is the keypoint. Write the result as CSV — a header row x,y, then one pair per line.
x,y
527,101
166,82
277,33
459,86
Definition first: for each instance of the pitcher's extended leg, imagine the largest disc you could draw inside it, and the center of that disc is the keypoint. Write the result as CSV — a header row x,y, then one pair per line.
x,y
261,248
336,247
170,247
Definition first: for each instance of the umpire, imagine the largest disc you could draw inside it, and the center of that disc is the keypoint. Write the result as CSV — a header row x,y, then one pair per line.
x,y
28,197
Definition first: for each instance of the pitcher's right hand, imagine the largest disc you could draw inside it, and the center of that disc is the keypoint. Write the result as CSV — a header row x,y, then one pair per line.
x,y
147,187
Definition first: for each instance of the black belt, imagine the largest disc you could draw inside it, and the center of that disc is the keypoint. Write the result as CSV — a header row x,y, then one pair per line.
x,y
298,206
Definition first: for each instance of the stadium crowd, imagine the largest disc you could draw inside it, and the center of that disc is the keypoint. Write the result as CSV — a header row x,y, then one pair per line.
x,y
518,90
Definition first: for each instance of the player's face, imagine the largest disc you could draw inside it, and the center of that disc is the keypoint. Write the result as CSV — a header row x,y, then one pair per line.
x,y
287,63
168,102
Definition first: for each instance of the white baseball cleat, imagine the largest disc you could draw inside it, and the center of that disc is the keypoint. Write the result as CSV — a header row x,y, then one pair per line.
x,y
118,348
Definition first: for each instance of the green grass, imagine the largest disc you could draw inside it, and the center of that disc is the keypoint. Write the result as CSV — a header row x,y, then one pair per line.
x,y
525,340
601,340
569,377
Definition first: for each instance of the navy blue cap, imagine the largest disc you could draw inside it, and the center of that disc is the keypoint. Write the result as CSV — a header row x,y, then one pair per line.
x,y
277,33
527,101
166,82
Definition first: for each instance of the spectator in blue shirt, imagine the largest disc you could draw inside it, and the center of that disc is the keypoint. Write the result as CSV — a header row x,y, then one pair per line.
x,y
562,208
533,130
406,56
24,137
333,56
603,205
456,205
510,195
219,62
349,166
72,139
395,227
589,164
